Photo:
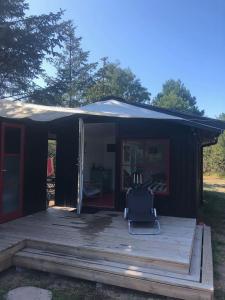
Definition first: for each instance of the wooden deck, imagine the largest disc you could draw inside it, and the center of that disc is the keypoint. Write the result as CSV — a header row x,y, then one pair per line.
x,y
98,247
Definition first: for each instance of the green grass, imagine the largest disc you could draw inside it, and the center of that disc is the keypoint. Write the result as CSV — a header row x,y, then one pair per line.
x,y
2,292
213,214
65,288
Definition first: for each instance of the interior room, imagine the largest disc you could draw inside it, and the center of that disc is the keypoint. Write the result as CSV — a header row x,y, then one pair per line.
x,y
51,170
99,165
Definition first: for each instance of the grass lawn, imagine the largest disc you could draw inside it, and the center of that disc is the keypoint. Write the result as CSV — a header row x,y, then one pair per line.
x,y
63,288
213,214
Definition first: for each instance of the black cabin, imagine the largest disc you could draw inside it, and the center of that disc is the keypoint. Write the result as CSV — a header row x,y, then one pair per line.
x,y
99,148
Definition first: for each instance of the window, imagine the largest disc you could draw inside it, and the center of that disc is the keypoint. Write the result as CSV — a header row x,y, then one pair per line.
x,y
150,158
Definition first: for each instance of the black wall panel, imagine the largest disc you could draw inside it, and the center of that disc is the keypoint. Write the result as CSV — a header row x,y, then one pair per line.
x,y
66,163
35,167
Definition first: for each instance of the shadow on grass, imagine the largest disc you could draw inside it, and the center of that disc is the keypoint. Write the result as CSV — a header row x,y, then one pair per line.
x,y
213,209
214,185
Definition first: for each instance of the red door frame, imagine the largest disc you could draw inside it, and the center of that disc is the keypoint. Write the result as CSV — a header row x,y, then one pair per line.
x,y
19,212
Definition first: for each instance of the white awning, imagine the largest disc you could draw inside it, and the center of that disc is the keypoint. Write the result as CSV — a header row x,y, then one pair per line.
x,y
123,110
109,108
20,110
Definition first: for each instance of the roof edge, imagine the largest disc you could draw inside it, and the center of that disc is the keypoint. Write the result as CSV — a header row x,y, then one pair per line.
x,y
201,120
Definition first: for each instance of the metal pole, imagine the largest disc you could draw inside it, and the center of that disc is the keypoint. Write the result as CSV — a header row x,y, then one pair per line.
x,y
80,166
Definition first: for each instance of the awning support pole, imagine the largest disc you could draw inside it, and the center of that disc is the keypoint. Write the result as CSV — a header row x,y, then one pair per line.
x,y
80,166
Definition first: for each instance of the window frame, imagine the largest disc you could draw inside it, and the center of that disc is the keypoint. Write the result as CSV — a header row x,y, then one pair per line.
x,y
163,141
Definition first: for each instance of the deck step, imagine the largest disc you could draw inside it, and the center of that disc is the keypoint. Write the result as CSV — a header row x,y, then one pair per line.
x,y
95,253
52,251
89,252
115,273
27,254
105,235
8,247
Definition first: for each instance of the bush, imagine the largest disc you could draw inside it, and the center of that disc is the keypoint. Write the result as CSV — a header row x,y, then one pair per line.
x,y
214,157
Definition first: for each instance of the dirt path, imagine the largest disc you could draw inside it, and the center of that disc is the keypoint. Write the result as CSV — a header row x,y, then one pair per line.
x,y
213,183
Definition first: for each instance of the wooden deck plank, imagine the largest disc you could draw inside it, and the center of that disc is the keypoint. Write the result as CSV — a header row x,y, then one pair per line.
x,y
98,231
124,244
98,247
195,266
143,279
8,247
207,263
42,250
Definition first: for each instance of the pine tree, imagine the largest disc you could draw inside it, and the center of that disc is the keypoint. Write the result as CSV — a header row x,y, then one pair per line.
x,y
73,74
176,96
112,80
24,44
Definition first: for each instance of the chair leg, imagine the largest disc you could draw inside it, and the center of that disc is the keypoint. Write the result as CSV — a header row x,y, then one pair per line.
x,y
125,213
130,227
131,231
158,226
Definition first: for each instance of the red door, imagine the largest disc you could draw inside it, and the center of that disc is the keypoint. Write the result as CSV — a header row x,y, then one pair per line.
x,y
11,171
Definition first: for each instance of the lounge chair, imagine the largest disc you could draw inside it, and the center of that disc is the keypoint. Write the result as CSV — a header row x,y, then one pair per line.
x,y
140,211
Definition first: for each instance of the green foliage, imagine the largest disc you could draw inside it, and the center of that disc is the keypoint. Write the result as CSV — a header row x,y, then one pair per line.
x,y
212,214
24,43
112,79
222,117
176,96
73,74
214,156
78,82
12,9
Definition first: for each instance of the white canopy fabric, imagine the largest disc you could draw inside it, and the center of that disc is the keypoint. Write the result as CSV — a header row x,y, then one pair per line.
x,y
123,110
20,110
109,108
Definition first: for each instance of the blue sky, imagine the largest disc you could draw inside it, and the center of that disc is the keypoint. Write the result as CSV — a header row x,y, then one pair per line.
x,y
157,39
